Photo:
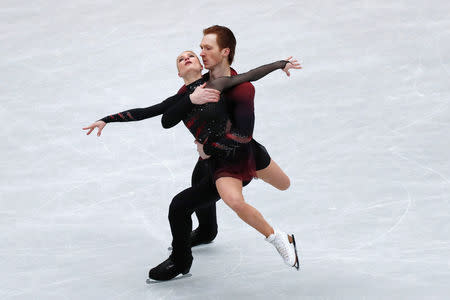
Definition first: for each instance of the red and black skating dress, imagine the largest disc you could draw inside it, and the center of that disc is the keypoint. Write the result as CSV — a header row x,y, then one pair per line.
x,y
224,128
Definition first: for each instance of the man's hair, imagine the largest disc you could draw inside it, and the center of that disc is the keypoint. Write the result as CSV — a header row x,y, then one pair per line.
x,y
225,39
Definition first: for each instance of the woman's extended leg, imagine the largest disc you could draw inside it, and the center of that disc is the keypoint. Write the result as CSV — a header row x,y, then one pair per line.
x,y
230,190
274,175
267,169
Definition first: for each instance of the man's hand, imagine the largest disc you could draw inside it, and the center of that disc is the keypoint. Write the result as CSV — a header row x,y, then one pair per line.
x,y
292,64
99,124
202,95
200,150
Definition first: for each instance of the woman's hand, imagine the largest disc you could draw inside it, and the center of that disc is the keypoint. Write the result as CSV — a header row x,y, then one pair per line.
x,y
292,64
200,150
99,124
202,95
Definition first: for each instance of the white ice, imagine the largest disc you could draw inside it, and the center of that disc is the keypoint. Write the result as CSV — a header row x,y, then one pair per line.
x,y
362,131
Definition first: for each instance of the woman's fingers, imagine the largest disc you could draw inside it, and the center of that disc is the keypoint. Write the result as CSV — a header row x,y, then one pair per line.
x,y
92,127
100,128
89,127
292,64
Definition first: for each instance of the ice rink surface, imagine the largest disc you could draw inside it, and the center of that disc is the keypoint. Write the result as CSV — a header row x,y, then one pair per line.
x,y
362,131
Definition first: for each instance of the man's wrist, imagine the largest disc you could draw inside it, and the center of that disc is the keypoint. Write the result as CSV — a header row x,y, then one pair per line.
x,y
193,99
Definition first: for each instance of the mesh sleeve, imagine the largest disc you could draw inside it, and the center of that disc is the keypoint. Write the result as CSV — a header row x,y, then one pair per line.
x,y
226,82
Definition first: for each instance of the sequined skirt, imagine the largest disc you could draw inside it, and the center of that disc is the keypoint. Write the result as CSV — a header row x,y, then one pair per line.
x,y
240,165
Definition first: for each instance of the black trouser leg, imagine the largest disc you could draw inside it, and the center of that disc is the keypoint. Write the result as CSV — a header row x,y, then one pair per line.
x,y
207,221
181,208
207,218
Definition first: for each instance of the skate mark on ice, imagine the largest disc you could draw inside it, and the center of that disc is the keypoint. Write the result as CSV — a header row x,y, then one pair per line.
x,y
127,293
84,209
383,235
96,179
140,214
38,209
374,206
62,251
439,110
233,269
439,51
160,162
447,181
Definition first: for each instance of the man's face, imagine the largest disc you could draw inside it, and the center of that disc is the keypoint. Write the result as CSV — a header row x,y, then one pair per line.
x,y
211,53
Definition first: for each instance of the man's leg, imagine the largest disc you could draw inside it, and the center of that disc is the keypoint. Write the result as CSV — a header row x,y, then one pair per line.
x,y
206,215
180,211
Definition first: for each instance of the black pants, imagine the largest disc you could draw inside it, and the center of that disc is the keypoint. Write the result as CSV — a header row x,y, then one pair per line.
x,y
201,197
206,214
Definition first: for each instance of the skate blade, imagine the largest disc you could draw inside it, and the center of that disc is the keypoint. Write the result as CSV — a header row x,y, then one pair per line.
x,y
151,281
297,263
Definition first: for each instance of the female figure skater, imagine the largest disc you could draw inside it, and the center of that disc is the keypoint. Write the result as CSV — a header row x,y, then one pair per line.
x,y
190,69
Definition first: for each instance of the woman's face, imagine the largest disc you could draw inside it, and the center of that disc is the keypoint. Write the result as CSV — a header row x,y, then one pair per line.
x,y
187,62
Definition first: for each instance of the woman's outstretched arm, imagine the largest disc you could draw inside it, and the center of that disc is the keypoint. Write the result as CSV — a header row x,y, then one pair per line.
x,y
176,113
135,114
138,114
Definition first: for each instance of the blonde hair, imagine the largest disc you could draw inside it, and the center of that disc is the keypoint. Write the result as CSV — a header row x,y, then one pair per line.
x,y
190,52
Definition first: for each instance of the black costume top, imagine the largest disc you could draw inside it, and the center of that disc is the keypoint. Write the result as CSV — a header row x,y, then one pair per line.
x,y
226,125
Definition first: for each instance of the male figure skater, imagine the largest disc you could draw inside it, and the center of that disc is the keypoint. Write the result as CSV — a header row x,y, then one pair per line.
x,y
218,48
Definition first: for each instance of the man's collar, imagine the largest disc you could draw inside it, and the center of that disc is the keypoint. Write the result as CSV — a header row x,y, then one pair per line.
x,y
232,72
